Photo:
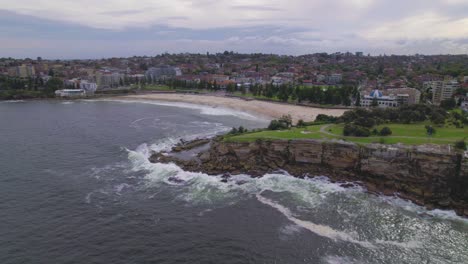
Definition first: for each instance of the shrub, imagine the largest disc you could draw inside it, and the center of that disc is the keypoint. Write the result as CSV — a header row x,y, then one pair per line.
x,y
287,120
430,130
236,131
300,123
326,118
385,131
277,125
448,104
461,144
354,130
233,131
365,122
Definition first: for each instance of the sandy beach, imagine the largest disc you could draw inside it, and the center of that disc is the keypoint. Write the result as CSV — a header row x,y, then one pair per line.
x,y
262,108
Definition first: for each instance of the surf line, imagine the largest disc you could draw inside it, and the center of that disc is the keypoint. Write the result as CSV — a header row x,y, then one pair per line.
x,y
321,230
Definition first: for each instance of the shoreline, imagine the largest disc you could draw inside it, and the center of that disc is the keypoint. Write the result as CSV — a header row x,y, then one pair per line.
x,y
266,109
434,180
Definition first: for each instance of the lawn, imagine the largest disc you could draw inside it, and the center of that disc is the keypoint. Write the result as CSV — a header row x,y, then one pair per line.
x,y
410,134
154,87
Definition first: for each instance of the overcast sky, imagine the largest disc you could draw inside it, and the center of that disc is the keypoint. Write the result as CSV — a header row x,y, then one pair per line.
x,y
107,28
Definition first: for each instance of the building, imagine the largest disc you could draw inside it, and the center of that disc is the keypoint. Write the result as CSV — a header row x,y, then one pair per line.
x,y
406,95
88,87
359,54
391,97
308,83
442,90
380,99
335,78
464,105
70,93
106,80
23,71
162,72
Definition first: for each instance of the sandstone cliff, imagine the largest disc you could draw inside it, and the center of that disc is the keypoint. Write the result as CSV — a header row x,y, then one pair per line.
x,y
428,175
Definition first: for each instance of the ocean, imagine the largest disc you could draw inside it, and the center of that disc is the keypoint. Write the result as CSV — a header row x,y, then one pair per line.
x,y
77,187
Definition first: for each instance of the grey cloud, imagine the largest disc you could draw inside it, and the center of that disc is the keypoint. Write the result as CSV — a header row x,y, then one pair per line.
x,y
255,8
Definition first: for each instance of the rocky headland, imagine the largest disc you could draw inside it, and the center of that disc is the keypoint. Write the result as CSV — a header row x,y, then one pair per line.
x,y
429,175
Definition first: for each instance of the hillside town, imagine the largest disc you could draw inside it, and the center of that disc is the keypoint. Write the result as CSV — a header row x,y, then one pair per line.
x,y
338,79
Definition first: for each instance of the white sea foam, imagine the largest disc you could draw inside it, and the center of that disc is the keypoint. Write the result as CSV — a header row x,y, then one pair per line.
x,y
321,230
412,207
67,103
12,101
339,260
203,109
308,194
120,187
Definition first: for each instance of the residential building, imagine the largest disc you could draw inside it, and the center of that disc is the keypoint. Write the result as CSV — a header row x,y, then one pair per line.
x,y
88,87
442,90
335,78
162,72
24,71
108,80
405,96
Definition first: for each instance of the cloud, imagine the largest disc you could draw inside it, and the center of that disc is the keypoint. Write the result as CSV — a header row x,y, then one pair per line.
x,y
425,26
290,27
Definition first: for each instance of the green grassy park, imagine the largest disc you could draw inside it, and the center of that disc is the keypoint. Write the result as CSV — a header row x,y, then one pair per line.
x,y
409,134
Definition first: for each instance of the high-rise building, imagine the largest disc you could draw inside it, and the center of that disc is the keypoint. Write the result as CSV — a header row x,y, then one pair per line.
x,y
442,90
25,71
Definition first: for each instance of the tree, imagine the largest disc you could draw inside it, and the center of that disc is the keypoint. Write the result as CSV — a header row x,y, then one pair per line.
x,y
385,131
448,104
354,130
430,130
374,103
358,100
300,123
53,85
233,131
277,125
286,119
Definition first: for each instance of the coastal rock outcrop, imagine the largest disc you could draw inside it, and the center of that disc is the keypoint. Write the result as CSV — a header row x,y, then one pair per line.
x,y
434,176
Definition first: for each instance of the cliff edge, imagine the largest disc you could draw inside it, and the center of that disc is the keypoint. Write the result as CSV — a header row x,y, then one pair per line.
x,y
433,176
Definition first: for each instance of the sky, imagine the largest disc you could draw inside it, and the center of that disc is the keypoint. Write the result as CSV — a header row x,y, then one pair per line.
x,y
86,29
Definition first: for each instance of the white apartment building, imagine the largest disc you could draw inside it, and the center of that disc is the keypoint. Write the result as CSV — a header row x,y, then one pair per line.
x,y
442,90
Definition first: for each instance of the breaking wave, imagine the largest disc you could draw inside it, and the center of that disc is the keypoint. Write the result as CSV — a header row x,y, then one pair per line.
x,y
12,101
203,109
400,226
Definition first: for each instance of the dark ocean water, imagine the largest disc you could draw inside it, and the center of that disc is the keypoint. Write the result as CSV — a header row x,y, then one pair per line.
x,y
76,187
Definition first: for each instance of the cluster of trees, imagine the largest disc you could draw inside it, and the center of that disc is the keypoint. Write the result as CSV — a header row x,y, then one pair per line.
x,y
404,114
284,122
360,131
25,88
359,122
332,95
16,83
239,130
